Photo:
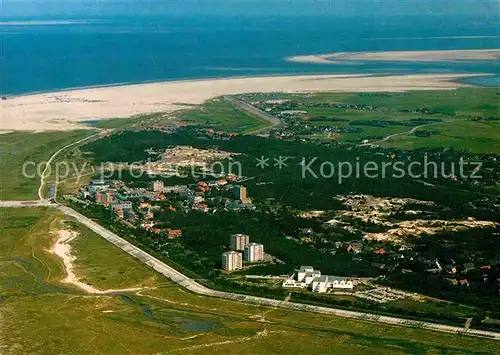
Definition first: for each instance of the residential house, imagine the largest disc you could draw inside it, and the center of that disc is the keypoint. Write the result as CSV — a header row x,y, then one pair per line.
x,y
174,233
464,283
450,269
147,225
354,248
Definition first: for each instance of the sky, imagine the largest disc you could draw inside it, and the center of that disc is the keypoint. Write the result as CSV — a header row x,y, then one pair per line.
x,y
47,8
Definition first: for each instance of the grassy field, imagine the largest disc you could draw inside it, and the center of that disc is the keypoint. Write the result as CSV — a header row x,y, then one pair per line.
x,y
455,108
475,136
131,122
20,147
220,114
39,315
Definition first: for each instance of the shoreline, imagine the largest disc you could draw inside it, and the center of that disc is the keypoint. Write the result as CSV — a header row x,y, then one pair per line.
x,y
68,109
192,80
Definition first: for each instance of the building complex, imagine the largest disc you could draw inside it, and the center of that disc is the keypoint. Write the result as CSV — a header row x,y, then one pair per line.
x,y
308,277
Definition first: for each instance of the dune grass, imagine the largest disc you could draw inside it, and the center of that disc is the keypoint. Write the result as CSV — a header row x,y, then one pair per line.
x,y
18,148
222,115
42,316
458,109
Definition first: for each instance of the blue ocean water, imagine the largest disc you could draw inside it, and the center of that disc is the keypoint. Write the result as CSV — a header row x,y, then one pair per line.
x,y
66,53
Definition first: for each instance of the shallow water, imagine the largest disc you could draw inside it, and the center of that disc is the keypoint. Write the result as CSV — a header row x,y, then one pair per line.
x,y
116,50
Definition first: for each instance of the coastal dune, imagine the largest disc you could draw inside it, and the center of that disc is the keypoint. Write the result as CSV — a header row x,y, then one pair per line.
x,y
66,110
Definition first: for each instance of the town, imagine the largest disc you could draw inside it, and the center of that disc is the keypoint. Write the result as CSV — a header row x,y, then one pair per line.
x,y
382,253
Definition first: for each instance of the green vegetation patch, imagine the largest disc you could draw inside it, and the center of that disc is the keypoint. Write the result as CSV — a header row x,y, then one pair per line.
x,y
17,148
465,118
163,318
220,114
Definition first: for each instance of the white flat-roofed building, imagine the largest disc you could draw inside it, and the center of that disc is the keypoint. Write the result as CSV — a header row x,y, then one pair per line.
x,y
254,252
158,186
320,284
232,260
307,274
302,272
323,283
310,276
340,282
293,283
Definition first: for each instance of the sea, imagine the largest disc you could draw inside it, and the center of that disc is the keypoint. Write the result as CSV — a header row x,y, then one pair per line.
x,y
48,54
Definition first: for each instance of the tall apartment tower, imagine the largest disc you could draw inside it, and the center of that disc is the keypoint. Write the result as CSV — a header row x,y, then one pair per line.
x,y
158,186
254,252
238,241
240,192
232,260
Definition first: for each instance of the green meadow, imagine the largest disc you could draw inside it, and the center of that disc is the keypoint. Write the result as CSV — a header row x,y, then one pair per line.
x,y
220,114
468,118
17,148
41,315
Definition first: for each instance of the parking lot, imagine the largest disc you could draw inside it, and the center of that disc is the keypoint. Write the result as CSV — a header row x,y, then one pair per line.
x,y
383,294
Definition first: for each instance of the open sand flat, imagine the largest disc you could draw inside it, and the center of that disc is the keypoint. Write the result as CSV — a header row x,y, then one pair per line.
x,y
62,248
64,110
406,56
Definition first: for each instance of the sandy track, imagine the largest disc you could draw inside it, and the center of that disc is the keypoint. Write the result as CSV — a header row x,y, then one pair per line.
x,y
62,248
64,110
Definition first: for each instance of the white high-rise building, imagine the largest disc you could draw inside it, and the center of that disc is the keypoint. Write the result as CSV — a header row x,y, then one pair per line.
x,y
232,260
254,252
238,241
158,186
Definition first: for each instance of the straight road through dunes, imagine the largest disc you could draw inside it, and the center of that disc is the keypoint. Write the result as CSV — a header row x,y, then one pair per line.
x,y
42,315
195,287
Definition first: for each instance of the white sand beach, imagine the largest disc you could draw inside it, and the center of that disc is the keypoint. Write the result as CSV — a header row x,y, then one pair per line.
x,y
406,56
64,110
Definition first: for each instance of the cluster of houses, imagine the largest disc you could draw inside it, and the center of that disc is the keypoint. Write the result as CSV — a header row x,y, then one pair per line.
x,y
137,206
308,277
297,107
456,274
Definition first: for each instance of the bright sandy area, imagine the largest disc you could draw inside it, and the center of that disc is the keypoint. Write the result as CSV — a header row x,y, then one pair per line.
x,y
406,56
62,248
63,110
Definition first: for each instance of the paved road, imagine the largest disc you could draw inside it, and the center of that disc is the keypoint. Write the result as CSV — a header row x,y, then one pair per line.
x,y
37,203
47,166
411,131
195,287
242,105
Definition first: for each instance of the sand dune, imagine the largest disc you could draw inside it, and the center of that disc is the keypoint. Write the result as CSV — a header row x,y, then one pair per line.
x,y
62,248
406,56
64,110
